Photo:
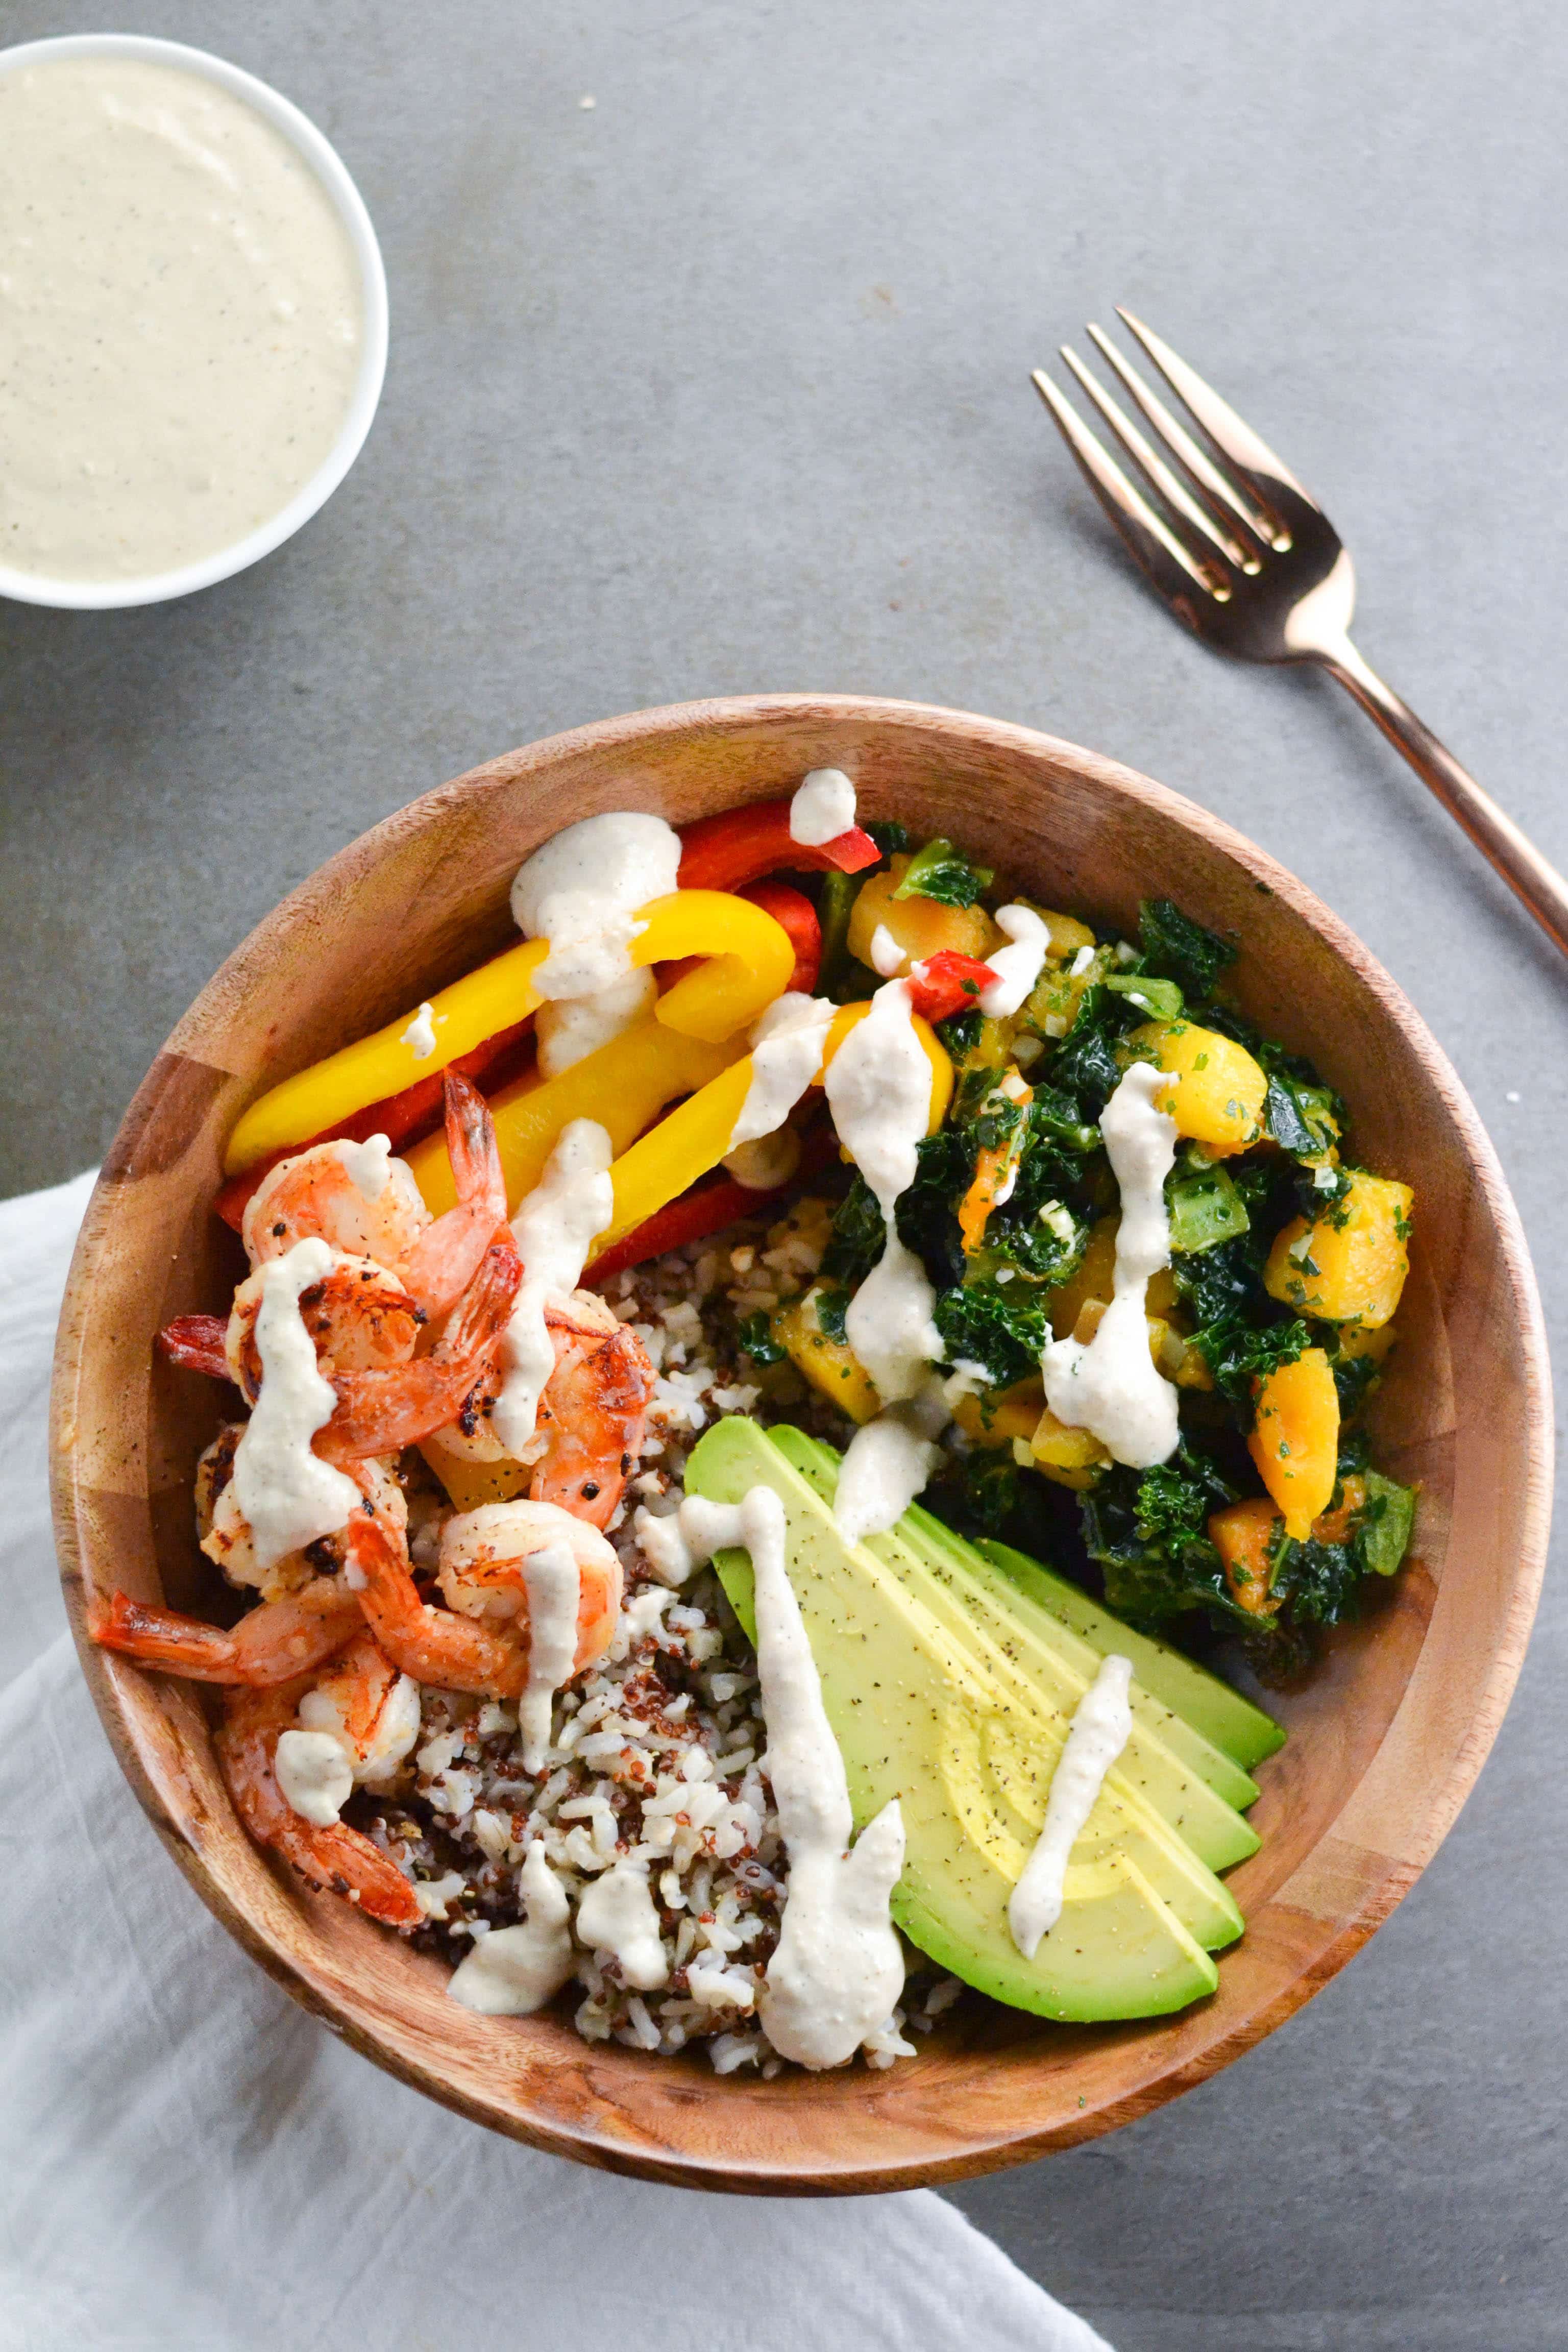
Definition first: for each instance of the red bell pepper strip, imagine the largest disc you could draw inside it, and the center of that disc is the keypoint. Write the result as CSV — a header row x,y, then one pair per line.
x,y
722,852
946,983
403,1118
707,1209
795,911
196,1342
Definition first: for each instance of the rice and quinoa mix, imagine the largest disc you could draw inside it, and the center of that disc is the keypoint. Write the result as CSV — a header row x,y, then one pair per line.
x,y
659,1754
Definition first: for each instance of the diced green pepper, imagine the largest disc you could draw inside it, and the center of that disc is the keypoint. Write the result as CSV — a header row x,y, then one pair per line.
x,y
1204,1208
1384,1531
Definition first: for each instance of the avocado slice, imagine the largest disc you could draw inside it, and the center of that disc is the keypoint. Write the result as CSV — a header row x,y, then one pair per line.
x,y
974,1600
1245,1733
1019,1588
917,1718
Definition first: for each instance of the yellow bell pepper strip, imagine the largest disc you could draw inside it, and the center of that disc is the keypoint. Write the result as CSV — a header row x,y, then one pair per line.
x,y
696,1136
750,959
623,1086
316,1101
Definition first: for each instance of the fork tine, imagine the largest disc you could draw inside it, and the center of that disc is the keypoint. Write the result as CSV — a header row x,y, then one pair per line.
x,y
1172,491
1248,512
1225,428
1151,540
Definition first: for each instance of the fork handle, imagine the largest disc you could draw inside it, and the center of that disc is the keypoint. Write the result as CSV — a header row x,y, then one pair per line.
x,y
1496,835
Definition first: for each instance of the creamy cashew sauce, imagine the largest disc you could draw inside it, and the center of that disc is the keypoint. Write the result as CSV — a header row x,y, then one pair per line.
x,y
787,1045
181,318
581,890
513,1972
420,1034
287,1493
1101,1729
839,1967
822,807
554,1586
617,1914
1018,965
1110,1386
314,1774
554,1230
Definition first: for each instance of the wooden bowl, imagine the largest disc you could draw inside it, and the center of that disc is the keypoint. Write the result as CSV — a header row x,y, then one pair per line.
x,y
1384,1741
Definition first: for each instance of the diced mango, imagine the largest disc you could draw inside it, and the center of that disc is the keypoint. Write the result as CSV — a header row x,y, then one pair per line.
x,y
1246,1534
1091,1278
830,1365
472,1483
1165,1346
921,927
1219,1090
1001,1414
1338,1525
1067,935
1353,1272
1072,1457
1356,1339
1296,1441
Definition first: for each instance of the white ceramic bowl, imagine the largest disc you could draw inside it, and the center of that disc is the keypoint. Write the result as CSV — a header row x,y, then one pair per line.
x,y
155,588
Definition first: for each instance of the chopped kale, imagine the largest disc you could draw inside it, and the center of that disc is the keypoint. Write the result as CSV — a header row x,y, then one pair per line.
x,y
1204,1207
1085,1064
1148,1534
1175,947
834,901
1383,1536
960,1034
1298,1115
832,1305
1319,1583
858,1237
941,872
1002,1330
891,837
990,1488
757,1338
1238,1352
1157,1000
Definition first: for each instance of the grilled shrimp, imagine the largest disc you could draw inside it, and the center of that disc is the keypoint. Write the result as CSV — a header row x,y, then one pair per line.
x,y
360,1317
366,1204
592,1415
434,1645
224,1533
480,1642
484,1554
354,1196
381,1412
274,1645
326,1853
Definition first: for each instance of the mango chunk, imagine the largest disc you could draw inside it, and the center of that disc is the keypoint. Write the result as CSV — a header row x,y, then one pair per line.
x,y
1218,1092
830,1364
1353,1272
1296,1441
1072,1457
1246,1535
1001,1414
920,926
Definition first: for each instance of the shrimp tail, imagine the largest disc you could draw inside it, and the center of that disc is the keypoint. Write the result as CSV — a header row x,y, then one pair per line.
x,y
273,1644
381,1412
334,1857
434,1645
196,1342
445,1259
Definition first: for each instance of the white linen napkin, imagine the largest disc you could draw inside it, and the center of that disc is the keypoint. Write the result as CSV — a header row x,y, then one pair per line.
x,y
188,2160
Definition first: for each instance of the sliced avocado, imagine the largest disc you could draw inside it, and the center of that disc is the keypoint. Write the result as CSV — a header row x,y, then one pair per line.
x,y
1245,1733
916,1719
976,1604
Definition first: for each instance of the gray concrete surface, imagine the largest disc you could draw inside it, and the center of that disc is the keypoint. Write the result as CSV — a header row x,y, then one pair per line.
x,y
721,385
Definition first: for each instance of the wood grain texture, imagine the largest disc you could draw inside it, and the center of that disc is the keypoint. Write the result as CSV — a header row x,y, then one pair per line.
x,y
1385,1740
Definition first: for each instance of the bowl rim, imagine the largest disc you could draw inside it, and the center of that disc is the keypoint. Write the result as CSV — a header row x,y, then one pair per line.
x,y
332,176
1439,1805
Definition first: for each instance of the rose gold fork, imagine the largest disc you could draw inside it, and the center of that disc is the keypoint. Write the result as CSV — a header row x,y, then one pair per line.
x,y
1249,561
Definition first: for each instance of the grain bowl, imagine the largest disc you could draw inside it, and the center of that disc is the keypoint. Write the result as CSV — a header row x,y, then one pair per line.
x,y
1386,1735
